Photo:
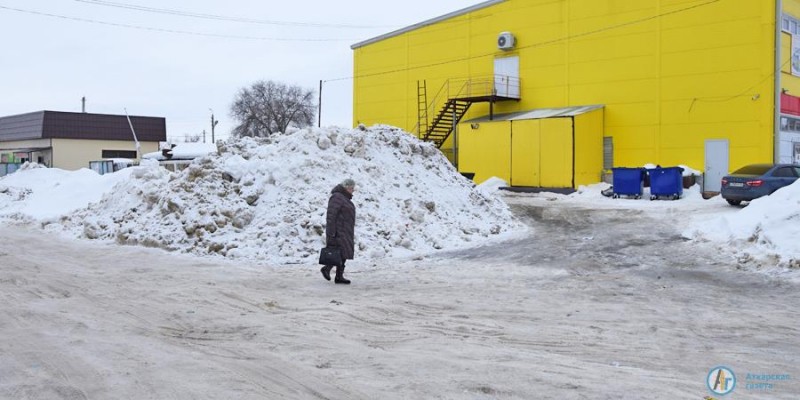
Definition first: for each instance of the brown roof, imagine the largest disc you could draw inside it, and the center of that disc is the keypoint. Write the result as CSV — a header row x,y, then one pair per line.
x,y
67,125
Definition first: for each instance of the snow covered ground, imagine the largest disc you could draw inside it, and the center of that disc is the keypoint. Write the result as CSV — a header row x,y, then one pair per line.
x,y
459,292
265,200
763,235
592,304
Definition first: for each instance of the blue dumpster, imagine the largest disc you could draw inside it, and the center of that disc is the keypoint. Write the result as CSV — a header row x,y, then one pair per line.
x,y
628,182
666,182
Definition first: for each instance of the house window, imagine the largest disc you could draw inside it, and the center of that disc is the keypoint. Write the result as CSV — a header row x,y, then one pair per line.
x,y
790,24
119,154
789,124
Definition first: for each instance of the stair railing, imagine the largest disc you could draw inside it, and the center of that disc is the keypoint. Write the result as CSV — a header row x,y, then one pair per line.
x,y
484,86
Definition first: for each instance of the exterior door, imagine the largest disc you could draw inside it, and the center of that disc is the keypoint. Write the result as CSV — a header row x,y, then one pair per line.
x,y
525,150
556,153
796,152
506,77
716,164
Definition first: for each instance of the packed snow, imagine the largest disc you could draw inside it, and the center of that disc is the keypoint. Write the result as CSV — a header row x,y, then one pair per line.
x,y
38,193
265,199
183,151
597,284
769,227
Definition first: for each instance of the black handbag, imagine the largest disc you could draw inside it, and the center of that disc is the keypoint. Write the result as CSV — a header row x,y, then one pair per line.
x,y
330,256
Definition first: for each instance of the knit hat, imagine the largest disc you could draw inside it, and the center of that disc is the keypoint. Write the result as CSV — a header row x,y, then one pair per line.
x,y
348,183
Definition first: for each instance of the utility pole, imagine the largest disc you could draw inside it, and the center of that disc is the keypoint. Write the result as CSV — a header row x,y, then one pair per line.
x,y
135,140
204,135
213,125
319,113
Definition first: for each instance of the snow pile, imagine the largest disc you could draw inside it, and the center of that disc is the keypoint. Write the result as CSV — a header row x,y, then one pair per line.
x,y
184,151
492,184
687,171
35,192
769,227
266,199
591,196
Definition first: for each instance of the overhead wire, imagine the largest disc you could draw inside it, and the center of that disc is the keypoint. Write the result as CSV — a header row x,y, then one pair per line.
x,y
175,31
217,17
746,92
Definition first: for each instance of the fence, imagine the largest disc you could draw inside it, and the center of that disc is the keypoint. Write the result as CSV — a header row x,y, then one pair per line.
x,y
8,168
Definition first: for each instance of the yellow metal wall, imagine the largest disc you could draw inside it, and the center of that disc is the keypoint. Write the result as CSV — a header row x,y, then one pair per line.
x,y
588,147
486,151
525,148
537,152
555,143
542,153
671,73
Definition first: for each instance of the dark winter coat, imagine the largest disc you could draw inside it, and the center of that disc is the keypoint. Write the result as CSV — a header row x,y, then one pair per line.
x,y
341,222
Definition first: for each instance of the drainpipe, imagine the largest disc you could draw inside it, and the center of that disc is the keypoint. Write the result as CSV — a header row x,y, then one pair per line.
x,y
778,71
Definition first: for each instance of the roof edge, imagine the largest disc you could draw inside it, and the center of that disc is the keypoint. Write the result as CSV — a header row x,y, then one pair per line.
x,y
553,112
23,114
426,23
101,114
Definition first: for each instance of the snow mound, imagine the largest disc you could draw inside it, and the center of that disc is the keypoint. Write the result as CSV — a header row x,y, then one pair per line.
x,y
46,193
266,199
492,184
765,231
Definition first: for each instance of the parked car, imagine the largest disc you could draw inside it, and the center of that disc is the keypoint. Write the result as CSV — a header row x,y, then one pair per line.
x,y
757,180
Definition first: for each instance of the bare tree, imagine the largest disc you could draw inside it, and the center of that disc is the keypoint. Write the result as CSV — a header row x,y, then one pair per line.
x,y
270,107
192,138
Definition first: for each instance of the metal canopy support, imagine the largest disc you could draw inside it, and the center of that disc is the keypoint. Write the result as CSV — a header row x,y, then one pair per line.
x,y
777,71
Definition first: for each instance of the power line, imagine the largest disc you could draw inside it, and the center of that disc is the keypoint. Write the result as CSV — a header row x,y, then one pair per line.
x,y
144,28
545,43
746,92
221,17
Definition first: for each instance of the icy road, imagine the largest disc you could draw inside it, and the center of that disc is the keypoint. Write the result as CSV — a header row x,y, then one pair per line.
x,y
594,304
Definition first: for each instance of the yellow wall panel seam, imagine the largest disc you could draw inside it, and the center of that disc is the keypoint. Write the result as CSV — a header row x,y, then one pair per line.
x,y
659,60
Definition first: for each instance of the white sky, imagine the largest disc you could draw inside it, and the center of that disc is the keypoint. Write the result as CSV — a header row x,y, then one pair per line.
x,y
49,63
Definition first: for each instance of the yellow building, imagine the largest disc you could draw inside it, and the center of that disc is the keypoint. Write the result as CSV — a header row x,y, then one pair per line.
x,y
667,82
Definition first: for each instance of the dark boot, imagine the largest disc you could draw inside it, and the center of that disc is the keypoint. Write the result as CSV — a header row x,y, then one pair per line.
x,y
340,276
326,272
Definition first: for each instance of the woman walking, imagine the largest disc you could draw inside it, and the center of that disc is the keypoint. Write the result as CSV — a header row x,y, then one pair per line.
x,y
340,227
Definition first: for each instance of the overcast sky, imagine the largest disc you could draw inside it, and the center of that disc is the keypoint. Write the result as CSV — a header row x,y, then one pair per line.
x,y
56,51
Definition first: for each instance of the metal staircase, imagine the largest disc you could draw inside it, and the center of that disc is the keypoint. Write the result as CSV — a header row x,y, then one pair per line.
x,y
453,101
422,106
446,121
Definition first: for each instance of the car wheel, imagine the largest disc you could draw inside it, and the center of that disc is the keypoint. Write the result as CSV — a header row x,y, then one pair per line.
x,y
734,202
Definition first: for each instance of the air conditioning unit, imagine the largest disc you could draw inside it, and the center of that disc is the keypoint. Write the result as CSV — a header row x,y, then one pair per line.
x,y
505,41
